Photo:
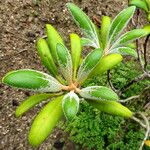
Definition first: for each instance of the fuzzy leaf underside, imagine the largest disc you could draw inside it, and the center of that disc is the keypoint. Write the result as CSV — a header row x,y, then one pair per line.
x,y
120,22
70,105
53,39
65,62
88,64
32,101
32,80
45,121
125,51
84,22
75,52
46,57
98,93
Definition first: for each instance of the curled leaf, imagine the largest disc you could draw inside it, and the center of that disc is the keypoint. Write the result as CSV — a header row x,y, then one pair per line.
x,y
65,62
98,93
120,22
104,31
111,107
45,122
75,51
124,51
84,22
88,64
70,105
106,63
53,39
32,101
46,57
131,36
140,4
32,80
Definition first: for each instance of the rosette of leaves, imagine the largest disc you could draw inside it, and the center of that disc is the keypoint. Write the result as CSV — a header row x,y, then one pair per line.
x,y
109,37
63,85
142,4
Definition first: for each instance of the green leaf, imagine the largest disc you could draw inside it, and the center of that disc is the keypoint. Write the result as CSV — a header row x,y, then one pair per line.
x,y
53,39
75,52
32,80
148,4
131,45
45,122
87,42
148,17
84,22
106,63
147,29
104,30
65,62
125,51
120,22
140,4
111,107
131,36
70,105
88,64
98,93
46,57
32,101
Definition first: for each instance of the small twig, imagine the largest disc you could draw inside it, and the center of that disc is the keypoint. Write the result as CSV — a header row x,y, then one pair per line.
x,y
128,99
145,49
147,130
109,81
139,121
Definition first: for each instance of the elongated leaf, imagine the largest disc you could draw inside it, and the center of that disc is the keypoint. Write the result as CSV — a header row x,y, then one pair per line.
x,y
140,4
88,64
32,80
120,22
84,23
70,105
147,28
148,17
125,51
131,36
148,4
53,39
65,62
111,107
131,45
32,101
45,122
87,42
104,31
106,63
98,93
45,55
75,52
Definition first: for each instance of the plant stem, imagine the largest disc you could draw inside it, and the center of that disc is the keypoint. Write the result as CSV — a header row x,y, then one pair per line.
x,y
145,50
109,81
147,130
130,98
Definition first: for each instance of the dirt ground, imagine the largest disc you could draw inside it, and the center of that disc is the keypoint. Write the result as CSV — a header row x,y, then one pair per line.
x,y
21,23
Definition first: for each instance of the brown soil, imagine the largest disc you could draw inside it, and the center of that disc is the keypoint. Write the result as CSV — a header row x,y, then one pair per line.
x,y
21,23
